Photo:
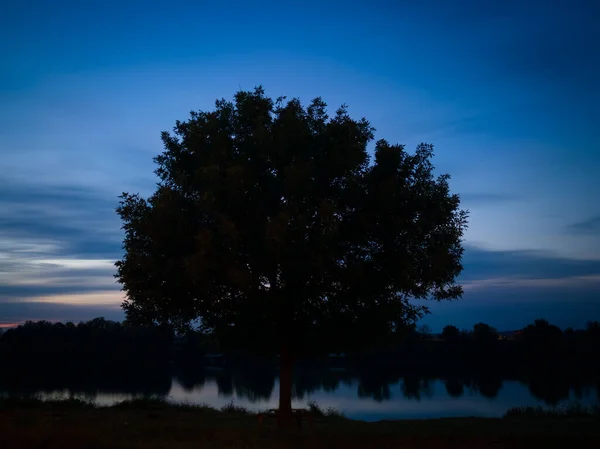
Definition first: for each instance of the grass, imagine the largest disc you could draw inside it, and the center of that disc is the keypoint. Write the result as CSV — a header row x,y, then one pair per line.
x,y
235,409
159,404
155,423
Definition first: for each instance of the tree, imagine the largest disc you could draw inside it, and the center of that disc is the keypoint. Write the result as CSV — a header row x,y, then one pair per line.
x,y
592,334
542,338
484,333
272,226
593,329
450,333
455,387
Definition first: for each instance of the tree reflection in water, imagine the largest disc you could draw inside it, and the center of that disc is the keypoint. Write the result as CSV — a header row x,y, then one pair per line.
x,y
256,384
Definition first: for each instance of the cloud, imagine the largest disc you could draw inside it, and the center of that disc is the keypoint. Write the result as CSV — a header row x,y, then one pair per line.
x,y
589,226
67,220
56,239
579,282
32,274
513,307
55,284
510,289
485,265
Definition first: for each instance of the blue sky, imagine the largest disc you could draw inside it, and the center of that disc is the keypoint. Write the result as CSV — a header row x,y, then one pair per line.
x,y
506,91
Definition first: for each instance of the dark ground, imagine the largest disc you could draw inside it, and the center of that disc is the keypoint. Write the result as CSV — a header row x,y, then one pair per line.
x,y
71,425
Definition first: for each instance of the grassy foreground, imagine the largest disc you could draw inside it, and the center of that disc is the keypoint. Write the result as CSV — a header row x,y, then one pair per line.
x,y
156,424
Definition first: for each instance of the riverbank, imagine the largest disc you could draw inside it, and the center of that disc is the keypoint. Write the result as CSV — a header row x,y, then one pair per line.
x,y
155,424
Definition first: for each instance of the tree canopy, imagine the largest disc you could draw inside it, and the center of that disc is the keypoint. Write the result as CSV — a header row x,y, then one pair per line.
x,y
272,225
450,333
484,333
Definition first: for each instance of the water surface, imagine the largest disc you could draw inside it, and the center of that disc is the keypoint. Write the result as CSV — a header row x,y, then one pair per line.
x,y
367,398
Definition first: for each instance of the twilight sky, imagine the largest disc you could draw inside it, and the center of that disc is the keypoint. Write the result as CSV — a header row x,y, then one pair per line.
x,y
508,92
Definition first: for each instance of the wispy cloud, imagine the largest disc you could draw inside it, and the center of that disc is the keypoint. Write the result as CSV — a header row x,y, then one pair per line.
x,y
513,307
56,239
588,226
76,264
525,285
482,264
509,289
56,219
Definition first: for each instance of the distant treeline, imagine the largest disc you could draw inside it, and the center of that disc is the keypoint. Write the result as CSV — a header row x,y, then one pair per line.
x,y
106,356
539,347
97,341
104,342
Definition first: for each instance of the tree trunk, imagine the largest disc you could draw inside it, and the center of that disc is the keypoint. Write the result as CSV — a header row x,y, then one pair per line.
x,y
286,363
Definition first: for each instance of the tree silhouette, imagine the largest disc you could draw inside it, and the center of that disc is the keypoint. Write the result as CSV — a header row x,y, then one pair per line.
x,y
95,341
224,383
551,390
272,226
455,387
375,384
488,385
450,333
542,338
253,385
414,387
484,333
191,379
593,333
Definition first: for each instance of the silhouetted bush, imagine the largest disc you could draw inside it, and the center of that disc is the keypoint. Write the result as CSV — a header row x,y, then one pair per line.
x,y
570,411
108,352
232,408
316,410
451,333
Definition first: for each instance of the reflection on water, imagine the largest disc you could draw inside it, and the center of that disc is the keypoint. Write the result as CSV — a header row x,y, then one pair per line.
x,y
408,398
369,395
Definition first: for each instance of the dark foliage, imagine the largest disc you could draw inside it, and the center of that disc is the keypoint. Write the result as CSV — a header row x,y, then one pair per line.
x,y
484,333
103,356
451,333
272,226
97,339
100,341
